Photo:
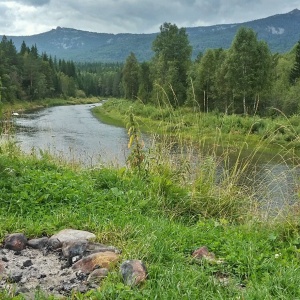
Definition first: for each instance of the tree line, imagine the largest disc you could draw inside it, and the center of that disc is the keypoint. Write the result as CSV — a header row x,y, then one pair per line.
x,y
246,78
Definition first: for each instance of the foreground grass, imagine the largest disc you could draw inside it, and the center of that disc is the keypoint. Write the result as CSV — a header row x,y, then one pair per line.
x,y
151,215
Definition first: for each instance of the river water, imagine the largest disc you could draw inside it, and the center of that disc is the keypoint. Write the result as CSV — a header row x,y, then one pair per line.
x,y
74,134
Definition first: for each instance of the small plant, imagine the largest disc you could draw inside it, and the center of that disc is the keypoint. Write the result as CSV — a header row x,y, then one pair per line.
x,y
136,144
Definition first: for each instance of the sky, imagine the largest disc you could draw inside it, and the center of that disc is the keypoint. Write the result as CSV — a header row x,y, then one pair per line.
x,y
28,17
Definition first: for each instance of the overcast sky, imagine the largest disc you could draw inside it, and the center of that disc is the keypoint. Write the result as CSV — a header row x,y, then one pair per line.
x,y
27,17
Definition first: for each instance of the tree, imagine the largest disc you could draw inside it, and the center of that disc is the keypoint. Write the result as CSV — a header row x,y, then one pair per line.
x,y
248,65
171,63
205,77
145,82
295,72
130,77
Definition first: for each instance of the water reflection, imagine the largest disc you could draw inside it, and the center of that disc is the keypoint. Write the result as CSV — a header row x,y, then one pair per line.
x,y
66,130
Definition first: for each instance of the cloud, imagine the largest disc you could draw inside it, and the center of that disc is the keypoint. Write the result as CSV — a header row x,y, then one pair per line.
x,y
28,2
23,17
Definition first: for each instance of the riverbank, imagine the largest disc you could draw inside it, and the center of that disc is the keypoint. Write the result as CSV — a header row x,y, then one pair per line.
x,y
154,215
154,210
268,136
21,106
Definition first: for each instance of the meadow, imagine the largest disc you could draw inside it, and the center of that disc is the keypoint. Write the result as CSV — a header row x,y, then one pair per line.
x,y
160,210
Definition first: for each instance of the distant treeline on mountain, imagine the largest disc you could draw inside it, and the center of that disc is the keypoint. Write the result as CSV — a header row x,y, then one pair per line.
x,y
245,79
281,32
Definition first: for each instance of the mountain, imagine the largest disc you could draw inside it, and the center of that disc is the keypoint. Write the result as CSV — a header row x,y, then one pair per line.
x,y
280,31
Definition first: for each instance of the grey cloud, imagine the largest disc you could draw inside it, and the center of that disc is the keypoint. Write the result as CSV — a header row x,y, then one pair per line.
x,y
138,16
34,2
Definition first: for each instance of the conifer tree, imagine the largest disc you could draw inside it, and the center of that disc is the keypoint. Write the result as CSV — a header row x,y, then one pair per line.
x,y
295,72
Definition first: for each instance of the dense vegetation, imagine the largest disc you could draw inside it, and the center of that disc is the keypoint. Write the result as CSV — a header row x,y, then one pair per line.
x,y
246,78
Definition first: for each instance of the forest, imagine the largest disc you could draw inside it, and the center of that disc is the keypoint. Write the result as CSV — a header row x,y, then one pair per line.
x,y
244,79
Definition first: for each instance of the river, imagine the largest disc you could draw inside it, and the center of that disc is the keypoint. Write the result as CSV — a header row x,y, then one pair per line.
x,y
74,134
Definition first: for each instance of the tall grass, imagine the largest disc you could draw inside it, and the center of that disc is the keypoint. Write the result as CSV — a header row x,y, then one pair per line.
x,y
216,156
192,188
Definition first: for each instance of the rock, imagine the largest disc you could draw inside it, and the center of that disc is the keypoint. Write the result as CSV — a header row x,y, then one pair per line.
x,y
74,248
203,254
105,259
54,243
67,235
15,278
133,272
38,243
96,247
15,241
27,263
97,275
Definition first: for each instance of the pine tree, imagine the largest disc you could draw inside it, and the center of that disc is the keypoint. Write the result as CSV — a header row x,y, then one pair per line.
x,y
131,77
295,72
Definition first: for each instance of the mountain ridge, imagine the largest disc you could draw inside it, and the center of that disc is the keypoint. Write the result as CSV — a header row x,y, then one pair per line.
x,y
280,31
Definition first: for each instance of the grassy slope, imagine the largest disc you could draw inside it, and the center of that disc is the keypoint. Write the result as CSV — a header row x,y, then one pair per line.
x,y
155,215
149,216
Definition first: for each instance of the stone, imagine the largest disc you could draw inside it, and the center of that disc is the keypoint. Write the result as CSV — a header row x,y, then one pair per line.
x,y
89,263
38,243
74,248
97,275
97,247
54,243
202,253
27,263
133,272
47,265
67,235
15,278
15,241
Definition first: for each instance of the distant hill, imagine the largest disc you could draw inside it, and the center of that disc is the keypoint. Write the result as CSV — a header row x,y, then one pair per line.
x,y
281,32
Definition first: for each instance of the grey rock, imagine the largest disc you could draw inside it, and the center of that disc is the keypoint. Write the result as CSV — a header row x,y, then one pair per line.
x,y
54,243
38,243
133,272
97,247
72,234
74,248
15,278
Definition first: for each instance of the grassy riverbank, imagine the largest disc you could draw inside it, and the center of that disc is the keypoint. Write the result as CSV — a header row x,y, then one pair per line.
x,y
158,210
155,216
20,106
271,135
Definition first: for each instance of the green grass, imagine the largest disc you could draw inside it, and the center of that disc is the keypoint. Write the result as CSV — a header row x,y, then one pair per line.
x,y
163,207
224,131
155,215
